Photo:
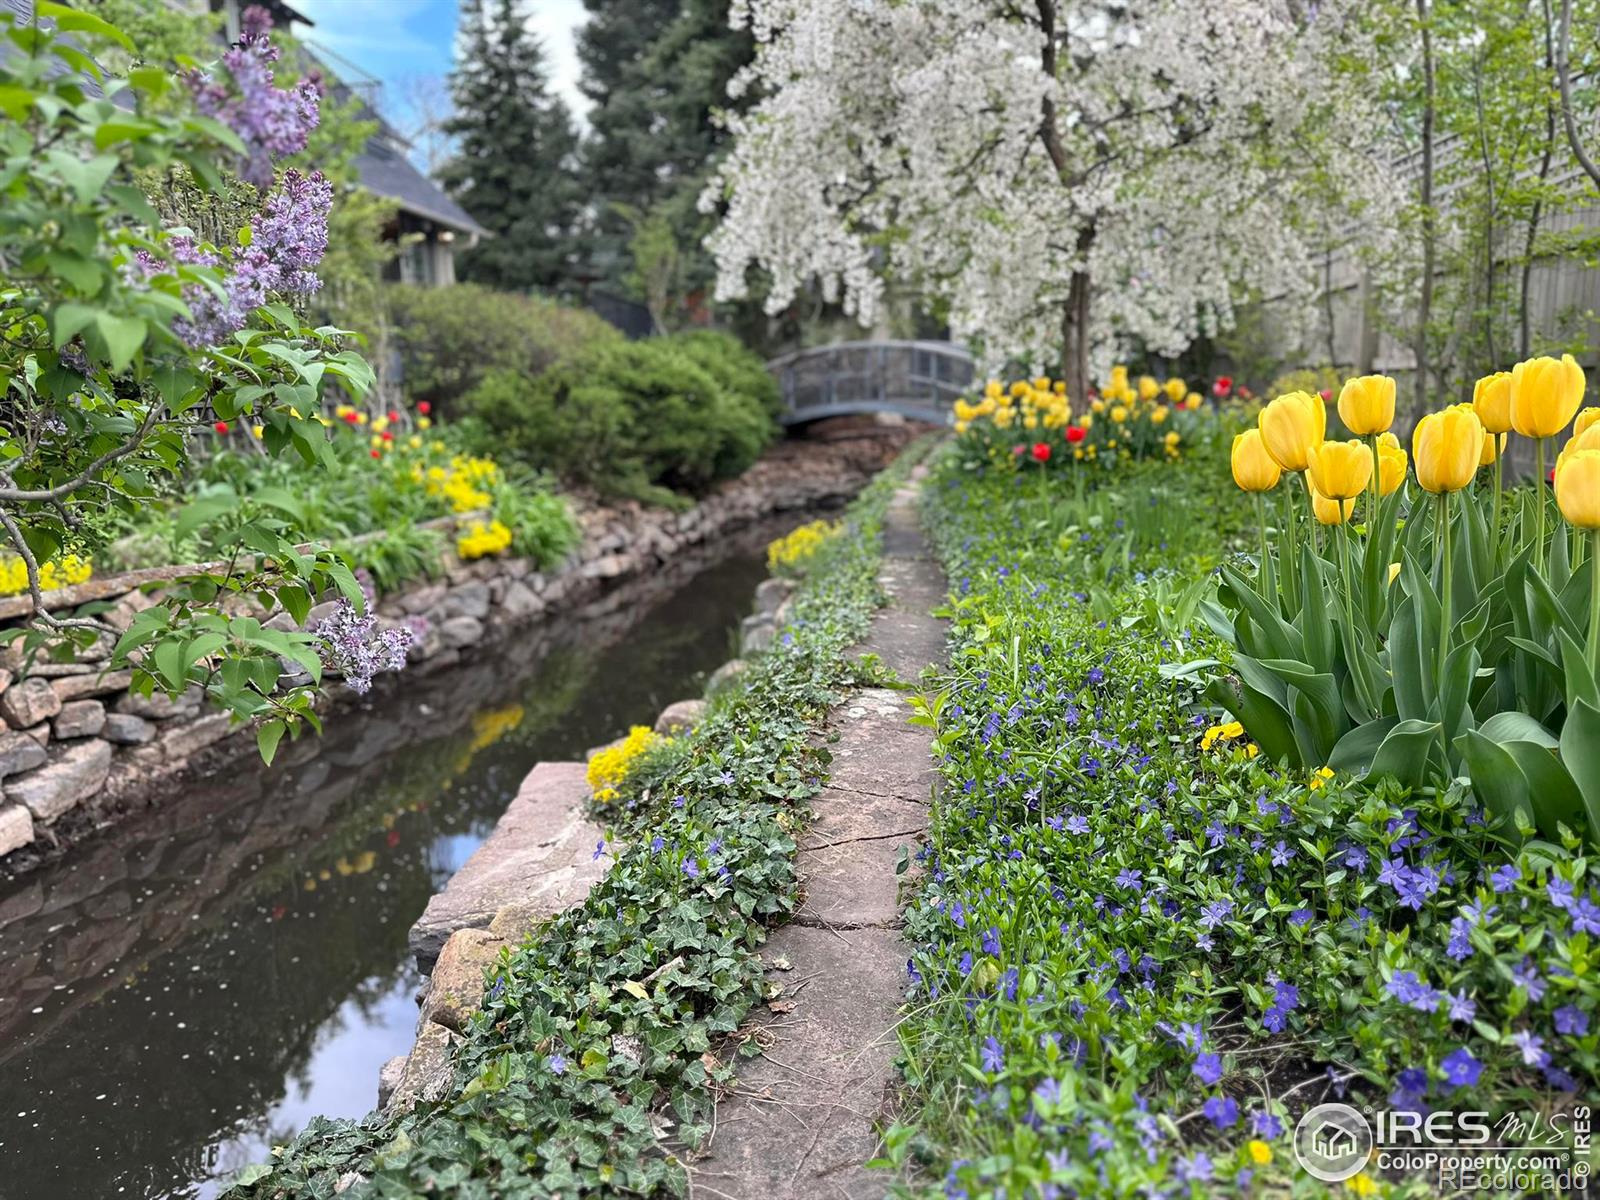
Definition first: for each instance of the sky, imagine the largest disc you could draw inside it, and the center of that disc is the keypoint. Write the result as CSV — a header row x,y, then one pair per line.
x,y
402,41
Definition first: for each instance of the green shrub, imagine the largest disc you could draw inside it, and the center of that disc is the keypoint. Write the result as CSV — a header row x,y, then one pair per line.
x,y
727,360
449,338
638,419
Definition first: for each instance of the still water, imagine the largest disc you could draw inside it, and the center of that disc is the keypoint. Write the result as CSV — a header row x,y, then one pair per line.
x,y
200,982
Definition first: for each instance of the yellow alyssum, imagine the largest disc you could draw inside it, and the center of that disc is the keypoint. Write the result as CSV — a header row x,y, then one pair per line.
x,y
482,540
610,767
58,573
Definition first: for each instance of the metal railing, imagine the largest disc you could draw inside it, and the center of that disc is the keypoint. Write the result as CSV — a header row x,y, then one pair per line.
x,y
920,380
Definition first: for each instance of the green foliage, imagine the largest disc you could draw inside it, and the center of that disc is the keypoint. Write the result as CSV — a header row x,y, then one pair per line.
x,y
449,338
541,524
401,554
515,166
737,369
605,1022
638,419
1131,937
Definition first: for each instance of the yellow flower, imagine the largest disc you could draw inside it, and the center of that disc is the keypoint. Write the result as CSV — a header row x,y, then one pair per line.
x,y
610,767
1366,404
424,423
1394,571
379,424
257,430
1585,419
1158,414
962,426
1545,395
1319,777
1362,1184
1491,400
1119,414
1578,488
1330,512
1221,733
482,540
1446,447
1291,426
1340,470
1149,389
1254,470
800,544
1172,439
1392,464
1193,401
1176,390
993,390
1260,1152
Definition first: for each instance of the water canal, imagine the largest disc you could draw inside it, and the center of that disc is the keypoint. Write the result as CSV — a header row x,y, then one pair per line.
x,y
200,982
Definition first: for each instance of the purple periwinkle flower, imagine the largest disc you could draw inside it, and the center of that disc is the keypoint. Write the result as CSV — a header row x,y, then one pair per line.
x,y
992,1056
1532,1047
1207,1067
1460,1068
1221,1111
1572,1021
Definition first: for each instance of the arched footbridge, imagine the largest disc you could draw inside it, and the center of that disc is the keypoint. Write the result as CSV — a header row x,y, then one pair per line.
x,y
920,380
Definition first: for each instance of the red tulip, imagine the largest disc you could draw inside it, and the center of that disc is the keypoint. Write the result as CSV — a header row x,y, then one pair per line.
x,y
1075,434
1019,450
387,436
393,416
1222,386
376,453
424,407
1041,452
221,427
392,837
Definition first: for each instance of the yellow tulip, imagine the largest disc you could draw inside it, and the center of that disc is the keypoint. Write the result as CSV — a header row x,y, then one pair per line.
x,y
1491,443
1329,512
1394,571
1193,401
1392,465
1585,418
1119,414
1366,404
1446,447
1176,390
1545,395
1291,426
1578,488
1149,389
1340,470
1254,470
1158,414
1491,400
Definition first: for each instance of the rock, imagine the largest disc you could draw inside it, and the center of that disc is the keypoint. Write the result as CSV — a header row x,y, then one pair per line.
x,y
468,600
681,715
73,774
282,622
125,729
457,632
158,706
756,633
19,753
389,1076
16,828
81,718
40,733
5,679
423,598
520,603
771,593
607,566
320,613
29,702
54,670
78,686
726,674
541,854
428,1071
455,990
181,739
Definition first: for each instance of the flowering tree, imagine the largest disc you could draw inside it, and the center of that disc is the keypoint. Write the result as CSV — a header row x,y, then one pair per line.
x,y
122,337
1063,173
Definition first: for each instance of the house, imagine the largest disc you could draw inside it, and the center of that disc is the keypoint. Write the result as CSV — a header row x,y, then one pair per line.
x,y
429,227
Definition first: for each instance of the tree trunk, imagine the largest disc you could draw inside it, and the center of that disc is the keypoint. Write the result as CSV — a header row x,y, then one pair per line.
x,y
1564,81
1425,299
1075,339
1526,328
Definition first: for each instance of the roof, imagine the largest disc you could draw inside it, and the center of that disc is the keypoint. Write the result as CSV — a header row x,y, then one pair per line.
x,y
386,170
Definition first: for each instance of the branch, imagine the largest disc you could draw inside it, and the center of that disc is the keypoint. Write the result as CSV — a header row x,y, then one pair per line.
x,y
51,495
40,615
1564,80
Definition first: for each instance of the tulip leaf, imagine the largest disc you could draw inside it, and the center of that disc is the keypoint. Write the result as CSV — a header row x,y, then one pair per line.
x,y
1460,669
1357,749
1281,637
1405,753
1517,727
1554,795
1496,779
1578,673
1316,629
1266,681
1405,665
1263,718
1580,751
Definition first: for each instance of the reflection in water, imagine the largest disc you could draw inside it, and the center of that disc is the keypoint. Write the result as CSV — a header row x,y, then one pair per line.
x,y
199,983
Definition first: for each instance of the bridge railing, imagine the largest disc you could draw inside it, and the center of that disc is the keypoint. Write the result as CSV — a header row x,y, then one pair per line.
x,y
917,379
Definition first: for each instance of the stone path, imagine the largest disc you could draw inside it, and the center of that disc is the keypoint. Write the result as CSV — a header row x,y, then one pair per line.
x,y
803,1119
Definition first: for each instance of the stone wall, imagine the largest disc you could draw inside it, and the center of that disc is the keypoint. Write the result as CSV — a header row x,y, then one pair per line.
x,y
78,751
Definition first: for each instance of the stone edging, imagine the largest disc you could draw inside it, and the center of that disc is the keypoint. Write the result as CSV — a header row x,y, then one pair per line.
x,y
75,741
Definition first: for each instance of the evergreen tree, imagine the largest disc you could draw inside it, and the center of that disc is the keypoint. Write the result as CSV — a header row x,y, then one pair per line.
x,y
516,164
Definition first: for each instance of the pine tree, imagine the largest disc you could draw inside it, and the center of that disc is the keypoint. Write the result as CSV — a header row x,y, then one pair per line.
x,y
516,164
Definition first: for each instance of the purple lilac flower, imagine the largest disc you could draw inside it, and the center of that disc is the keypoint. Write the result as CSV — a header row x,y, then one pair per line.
x,y
1572,1020
271,121
1221,1111
1460,1068
292,229
357,649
